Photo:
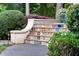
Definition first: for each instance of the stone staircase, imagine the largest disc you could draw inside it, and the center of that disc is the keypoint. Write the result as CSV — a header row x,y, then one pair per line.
x,y
43,29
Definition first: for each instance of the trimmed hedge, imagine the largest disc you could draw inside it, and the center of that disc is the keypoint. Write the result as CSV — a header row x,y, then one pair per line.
x,y
10,20
63,44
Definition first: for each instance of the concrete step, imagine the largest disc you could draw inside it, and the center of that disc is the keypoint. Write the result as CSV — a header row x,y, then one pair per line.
x,y
34,41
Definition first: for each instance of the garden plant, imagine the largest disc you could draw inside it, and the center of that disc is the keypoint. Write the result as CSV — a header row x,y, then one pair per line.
x,y
62,15
10,20
63,44
67,43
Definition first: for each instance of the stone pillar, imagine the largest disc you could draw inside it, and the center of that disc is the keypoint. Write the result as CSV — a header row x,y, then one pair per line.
x,y
58,6
27,9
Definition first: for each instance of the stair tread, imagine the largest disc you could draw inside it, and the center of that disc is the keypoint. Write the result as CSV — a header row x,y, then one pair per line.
x,y
42,35
37,40
44,31
43,22
49,27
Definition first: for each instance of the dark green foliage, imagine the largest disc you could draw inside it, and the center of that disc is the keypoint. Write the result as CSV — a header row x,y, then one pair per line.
x,y
2,7
73,18
63,44
10,20
13,6
33,7
43,9
16,6
66,5
52,10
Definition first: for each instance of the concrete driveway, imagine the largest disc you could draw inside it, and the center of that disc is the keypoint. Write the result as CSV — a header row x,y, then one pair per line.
x,y
25,50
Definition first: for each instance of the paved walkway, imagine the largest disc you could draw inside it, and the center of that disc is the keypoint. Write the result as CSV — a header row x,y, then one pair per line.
x,y
25,50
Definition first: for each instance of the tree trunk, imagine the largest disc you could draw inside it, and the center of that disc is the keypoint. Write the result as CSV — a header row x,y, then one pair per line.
x,y
27,9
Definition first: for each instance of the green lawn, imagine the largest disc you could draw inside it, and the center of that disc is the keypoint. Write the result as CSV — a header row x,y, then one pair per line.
x,y
2,47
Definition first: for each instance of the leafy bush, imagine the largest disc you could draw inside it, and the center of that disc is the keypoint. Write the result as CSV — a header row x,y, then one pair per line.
x,y
66,5
2,8
10,20
43,9
63,44
73,18
15,6
62,15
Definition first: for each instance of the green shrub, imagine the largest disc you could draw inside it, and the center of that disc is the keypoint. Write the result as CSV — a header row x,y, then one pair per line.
x,y
43,9
73,18
2,7
10,20
66,5
63,44
62,15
